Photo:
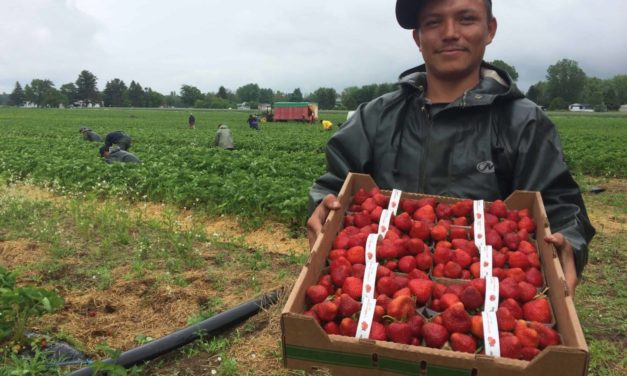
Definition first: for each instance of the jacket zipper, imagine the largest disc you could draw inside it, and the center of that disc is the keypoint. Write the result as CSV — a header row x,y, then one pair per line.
x,y
423,162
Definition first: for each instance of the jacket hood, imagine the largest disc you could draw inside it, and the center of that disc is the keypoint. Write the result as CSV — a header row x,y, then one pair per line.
x,y
494,82
223,126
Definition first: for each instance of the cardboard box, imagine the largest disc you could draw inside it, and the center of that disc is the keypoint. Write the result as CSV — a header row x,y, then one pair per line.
x,y
306,346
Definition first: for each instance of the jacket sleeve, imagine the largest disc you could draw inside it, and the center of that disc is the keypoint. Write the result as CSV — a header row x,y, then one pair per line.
x,y
540,166
348,150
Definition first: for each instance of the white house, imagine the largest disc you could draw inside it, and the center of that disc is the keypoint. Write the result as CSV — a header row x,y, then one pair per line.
x,y
580,107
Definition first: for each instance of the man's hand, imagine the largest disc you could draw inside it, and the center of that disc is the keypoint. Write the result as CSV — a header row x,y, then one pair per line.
x,y
567,259
319,216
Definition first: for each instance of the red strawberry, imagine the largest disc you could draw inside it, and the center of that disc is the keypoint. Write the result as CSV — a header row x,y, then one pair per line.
x,y
512,215
508,288
369,204
505,320
458,233
331,327
381,199
548,336
479,284
415,246
463,342
348,327
421,289
409,206
476,326
511,240
528,336
443,210
493,238
362,219
534,260
339,274
425,213
348,306
424,261
360,196
415,325
456,319
375,214
356,255
448,299
358,239
452,270
462,257
438,271
317,293
417,274
471,297
385,285
455,289
353,286
358,270
349,220
460,221
399,332
513,307
510,346
402,291
537,310
382,271
526,247
490,220
403,222
435,335
326,310
442,255
498,208
439,232
518,260
379,312
341,241
528,224
528,353
377,332
325,280
406,264
311,313
426,201
419,230
516,274
534,276
526,291
401,307
462,208
498,259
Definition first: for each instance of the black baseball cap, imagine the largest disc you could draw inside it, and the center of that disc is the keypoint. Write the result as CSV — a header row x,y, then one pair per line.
x,y
407,12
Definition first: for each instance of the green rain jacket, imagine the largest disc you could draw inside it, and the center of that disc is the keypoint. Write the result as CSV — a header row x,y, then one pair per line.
x,y
224,138
484,145
118,155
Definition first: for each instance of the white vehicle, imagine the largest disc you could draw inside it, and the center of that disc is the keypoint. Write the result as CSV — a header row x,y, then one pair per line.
x,y
580,107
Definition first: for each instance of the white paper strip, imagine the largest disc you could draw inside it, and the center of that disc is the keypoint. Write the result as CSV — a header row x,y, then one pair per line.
x,y
370,279
491,303
485,258
365,318
395,200
479,223
491,334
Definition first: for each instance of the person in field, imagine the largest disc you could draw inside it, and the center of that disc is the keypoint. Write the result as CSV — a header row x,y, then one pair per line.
x,y
459,127
224,138
191,120
253,123
115,154
89,135
118,138
326,125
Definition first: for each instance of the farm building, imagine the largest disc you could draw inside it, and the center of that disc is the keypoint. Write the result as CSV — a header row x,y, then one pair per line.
x,y
580,107
302,111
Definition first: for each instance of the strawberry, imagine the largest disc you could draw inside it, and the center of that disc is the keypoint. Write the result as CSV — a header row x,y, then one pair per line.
x,y
311,313
526,247
448,299
424,261
381,199
415,325
498,209
375,214
452,270
505,320
442,255
528,353
391,264
443,211
386,250
511,240
419,230
455,289
358,239
490,220
493,238
498,259
548,336
317,293
518,260
458,233
409,206
455,319
426,201
360,196
534,260
508,288
516,274
438,271
417,274
401,307
378,332
475,270
534,276
331,327
513,215
325,280
358,270
406,264
339,274
528,337
513,307
479,284
348,327
460,221
362,219
466,274
415,246
326,310
382,271
462,208
537,310
348,306
337,253
528,224
438,290
340,241
526,292
399,332
471,297
476,326
403,222
353,286
369,204
421,289
349,220
435,335
356,255
385,285
462,258
510,346
402,291
383,300
463,342
439,232
379,312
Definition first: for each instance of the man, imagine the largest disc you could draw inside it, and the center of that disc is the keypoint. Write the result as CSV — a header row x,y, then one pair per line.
x,y
457,127
224,138
326,125
118,138
191,120
89,135
116,154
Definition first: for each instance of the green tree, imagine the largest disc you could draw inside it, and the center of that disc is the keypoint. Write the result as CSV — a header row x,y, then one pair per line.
x,y
136,94
558,104
38,90
248,93
152,98
17,97
190,94
566,80
219,102
611,99
173,100
222,93
507,68
325,98
266,95
280,96
349,97
593,92
296,96
619,84
115,93
4,99
70,91
86,89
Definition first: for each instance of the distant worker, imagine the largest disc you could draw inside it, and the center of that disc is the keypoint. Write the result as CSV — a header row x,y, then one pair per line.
x,y
191,121
116,154
89,135
224,138
326,124
253,123
118,138
311,114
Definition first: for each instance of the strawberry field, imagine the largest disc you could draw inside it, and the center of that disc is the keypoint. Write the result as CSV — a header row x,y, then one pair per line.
x,y
138,251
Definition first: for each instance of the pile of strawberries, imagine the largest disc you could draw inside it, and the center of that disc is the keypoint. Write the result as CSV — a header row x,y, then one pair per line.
x,y
428,291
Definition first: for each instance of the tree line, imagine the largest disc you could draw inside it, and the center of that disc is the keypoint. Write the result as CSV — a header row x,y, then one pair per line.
x,y
565,83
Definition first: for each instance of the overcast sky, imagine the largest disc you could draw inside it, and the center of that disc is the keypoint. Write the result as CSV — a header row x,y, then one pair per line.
x,y
281,44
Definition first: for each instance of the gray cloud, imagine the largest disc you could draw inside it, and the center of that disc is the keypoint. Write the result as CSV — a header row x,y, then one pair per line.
x,y
281,44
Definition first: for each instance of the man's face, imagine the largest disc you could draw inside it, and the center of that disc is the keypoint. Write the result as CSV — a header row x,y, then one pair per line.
x,y
452,37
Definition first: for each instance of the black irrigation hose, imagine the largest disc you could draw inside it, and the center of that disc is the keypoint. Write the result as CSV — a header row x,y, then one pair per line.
x,y
184,336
